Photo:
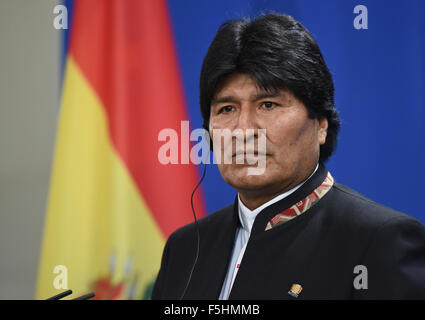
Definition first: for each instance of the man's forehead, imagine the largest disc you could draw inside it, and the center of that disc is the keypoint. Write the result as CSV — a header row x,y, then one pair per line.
x,y
239,86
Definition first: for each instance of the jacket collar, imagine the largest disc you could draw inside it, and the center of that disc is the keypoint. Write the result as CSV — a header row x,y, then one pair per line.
x,y
267,214
247,216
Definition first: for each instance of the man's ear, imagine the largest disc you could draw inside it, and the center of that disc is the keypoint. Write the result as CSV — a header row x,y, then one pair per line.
x,y
323,130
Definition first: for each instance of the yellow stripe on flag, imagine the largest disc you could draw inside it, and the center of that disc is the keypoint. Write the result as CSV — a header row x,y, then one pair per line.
x,y
97,223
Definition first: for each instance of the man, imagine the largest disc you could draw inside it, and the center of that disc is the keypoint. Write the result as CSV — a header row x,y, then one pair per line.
x,y
293,231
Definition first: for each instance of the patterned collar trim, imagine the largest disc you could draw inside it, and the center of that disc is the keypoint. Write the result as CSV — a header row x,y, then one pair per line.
x,y
303,205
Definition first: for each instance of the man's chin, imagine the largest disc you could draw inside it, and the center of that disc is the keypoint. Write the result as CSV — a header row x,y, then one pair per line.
x,y
248,182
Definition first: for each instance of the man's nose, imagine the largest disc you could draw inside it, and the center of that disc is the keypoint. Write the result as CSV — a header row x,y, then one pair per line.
x,y
246,129
246,119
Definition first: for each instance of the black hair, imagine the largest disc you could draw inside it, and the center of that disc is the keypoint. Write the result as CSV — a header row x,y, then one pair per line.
x,y
277,52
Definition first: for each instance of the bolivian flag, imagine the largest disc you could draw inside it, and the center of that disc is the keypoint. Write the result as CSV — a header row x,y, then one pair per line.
x,y
112,204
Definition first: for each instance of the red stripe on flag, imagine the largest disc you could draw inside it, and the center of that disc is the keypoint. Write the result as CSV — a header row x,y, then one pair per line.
x,y
125,49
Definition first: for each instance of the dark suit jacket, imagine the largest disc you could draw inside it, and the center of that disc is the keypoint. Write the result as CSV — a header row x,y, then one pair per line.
x,y
318,250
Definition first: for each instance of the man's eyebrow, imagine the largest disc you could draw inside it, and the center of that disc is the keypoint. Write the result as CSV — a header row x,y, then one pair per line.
x,y
265,95
223,100
256,97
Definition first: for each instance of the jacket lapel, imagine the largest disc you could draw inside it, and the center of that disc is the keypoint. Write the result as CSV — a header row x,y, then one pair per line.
x,y
214,256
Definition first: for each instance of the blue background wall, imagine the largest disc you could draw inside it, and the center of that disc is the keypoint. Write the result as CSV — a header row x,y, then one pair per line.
x,y
379,76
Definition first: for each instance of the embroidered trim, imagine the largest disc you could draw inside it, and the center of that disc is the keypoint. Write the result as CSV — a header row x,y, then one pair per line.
x,y
303,205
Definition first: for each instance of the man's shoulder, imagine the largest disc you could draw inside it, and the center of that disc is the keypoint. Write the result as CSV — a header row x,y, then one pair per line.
x,y
360,209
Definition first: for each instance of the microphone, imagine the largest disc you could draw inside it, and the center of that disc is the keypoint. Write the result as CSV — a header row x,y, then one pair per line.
x,y
86,296
60,295
68,292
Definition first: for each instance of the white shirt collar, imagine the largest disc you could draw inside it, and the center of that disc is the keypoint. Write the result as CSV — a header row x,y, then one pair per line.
x,y
247,216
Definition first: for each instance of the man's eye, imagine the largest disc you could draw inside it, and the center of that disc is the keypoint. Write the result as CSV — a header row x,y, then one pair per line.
x,y
225,109
268,105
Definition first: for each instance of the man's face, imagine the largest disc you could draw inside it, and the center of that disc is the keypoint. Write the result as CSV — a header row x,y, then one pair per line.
x,y
292,139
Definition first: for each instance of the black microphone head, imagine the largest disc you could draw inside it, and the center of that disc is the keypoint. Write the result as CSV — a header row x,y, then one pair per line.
x,y
86,296
60,295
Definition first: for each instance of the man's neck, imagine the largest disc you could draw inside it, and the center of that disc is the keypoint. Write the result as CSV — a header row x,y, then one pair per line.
x,y
254,199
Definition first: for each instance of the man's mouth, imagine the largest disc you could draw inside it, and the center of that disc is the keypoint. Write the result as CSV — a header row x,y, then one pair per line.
x,y
249,153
